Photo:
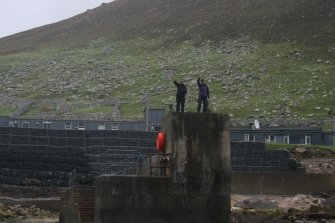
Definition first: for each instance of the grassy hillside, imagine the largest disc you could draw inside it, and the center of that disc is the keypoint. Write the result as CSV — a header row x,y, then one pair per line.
x,y
260,57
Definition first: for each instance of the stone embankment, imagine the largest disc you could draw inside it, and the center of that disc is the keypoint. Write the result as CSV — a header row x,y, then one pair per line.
x,y
319,208
32,214
315,160
315,208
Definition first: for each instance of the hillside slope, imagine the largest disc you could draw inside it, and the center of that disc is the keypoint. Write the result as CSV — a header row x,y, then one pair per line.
x,y
260,57
286,20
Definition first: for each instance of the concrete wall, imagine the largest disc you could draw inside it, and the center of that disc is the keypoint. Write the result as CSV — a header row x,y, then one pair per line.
x,y
198,189
137,199
281,183
199,144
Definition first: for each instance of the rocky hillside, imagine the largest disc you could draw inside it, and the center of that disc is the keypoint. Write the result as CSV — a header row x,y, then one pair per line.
x,y
261,58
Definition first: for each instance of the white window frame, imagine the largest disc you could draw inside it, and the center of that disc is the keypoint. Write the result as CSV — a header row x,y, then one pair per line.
x,y
47,124
101,126
68,125
15,124
308,139
25,124
115,126
267,138
81,125
249,137
286,139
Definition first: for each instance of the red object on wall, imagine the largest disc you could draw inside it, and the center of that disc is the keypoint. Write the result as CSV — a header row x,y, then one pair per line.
x,y
160,142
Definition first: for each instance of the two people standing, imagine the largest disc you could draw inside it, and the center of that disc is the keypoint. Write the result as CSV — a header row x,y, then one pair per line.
x,y
202,97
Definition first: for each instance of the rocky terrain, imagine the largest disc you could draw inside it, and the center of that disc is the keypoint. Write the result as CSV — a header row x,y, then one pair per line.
x,y
18,214
263,59
313,208
266,59
284,209
315,160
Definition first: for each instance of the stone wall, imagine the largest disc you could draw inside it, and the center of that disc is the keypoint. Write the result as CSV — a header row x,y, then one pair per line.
x,y
34,157
45,157
252,156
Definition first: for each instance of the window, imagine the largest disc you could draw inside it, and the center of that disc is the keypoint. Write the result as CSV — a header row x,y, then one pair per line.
x,y
25,124
101,126
249,137
68,125
307,139
15,124
115,126
81,126
46,125
286,139
270,138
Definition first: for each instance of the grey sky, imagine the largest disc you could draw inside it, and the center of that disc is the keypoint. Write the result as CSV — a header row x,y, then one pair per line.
x,y
21,15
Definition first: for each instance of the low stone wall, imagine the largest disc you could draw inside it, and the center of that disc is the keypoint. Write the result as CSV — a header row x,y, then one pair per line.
x,y
45,157
281,183
252,156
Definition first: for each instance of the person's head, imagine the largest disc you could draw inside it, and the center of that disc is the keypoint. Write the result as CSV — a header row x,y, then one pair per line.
x,y
181,81
202,81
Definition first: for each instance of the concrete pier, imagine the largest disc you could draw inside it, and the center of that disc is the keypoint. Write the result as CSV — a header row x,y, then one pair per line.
x,y
196,189
199,144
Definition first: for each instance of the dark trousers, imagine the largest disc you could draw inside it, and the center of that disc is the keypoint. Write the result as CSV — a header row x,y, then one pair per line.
x,y
180,103
202,100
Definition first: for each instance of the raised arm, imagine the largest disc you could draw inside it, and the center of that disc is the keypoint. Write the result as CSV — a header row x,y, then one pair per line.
x,y
207,91
198,82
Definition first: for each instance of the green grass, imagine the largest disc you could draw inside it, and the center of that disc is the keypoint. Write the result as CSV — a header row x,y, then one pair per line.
x,y
35,110
100,109
281,79
6,111
133,110
294,146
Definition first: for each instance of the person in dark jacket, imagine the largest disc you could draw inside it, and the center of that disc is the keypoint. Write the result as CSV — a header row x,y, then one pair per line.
x,y
180,97
203,95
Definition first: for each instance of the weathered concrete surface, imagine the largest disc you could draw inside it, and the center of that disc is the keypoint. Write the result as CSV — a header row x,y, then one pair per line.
x,y
197,188
199,144
281,183
133,199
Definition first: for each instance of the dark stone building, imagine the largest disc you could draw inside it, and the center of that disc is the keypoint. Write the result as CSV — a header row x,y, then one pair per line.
x,y
151,121
283,135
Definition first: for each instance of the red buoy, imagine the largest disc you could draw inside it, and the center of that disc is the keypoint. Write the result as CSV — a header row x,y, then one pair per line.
x,y
160,142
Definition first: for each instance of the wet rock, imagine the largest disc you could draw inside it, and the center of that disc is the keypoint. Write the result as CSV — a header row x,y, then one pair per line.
x,y
257,203
330,202
300,150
